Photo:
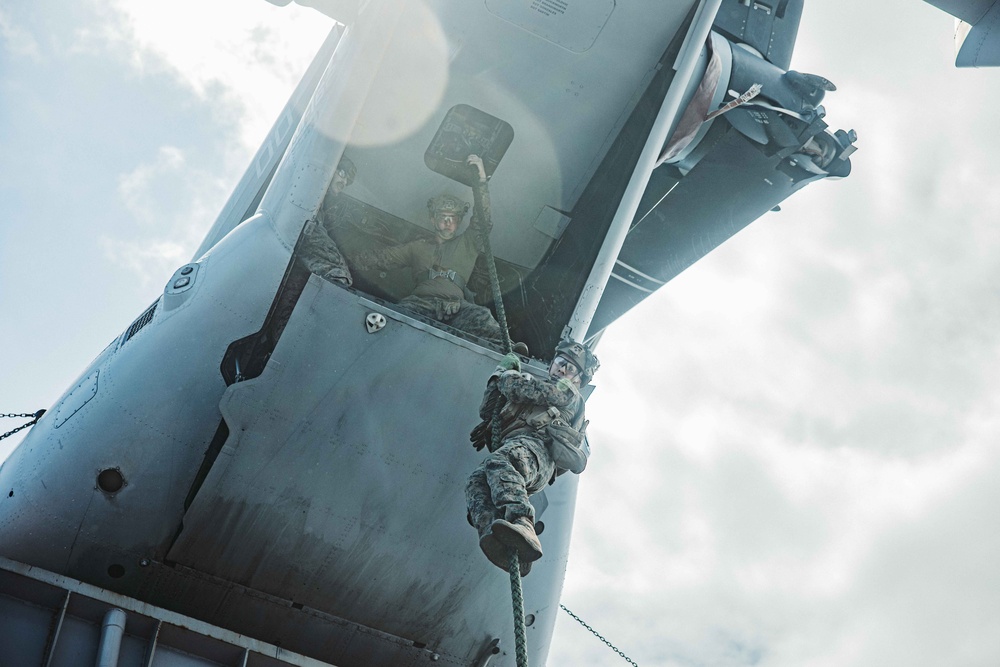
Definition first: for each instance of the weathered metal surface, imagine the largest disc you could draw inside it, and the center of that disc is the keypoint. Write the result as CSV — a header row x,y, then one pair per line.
x,y
332,520
153,414
153,417
341,484
35,603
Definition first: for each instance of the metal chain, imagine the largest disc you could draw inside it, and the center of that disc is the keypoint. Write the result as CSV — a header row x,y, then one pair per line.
x,y
598,635
517,601
35,417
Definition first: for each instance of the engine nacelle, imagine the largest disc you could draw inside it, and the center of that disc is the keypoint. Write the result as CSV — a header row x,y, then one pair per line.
x,y
751,134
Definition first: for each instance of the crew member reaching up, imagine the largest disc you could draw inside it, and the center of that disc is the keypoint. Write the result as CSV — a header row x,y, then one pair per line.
x,y
442,265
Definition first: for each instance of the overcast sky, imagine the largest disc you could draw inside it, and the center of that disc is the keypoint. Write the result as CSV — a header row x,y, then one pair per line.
x,y
801,468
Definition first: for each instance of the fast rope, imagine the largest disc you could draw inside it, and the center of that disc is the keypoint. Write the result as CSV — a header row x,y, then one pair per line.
x,y
598,635
491,266
517,603
514,567
508,346
35,416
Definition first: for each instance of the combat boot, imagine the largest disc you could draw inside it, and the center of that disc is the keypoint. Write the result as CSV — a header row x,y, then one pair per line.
x,y
520,535
499,553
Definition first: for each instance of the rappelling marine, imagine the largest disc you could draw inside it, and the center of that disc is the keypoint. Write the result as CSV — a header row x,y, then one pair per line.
x,y
539,435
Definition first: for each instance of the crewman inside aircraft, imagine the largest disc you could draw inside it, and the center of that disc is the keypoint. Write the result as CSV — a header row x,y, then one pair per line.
x,y
540,435
441,265
320,253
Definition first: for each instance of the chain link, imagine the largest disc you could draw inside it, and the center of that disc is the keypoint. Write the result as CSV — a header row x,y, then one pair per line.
x,y
34,415
598,635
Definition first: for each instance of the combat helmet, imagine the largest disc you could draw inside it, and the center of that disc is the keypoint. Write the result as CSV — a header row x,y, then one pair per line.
x,y
350,171
447,204
580,355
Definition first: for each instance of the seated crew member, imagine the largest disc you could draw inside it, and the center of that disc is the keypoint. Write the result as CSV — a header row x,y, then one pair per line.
x,y
542,427
320,253
442,265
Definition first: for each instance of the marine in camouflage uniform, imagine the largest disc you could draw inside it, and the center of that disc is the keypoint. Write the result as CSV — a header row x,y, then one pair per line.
x,y
319,252
541,435
441,266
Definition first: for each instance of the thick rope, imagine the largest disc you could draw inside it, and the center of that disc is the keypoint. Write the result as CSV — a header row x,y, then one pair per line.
x,y
514,568
517,600
491,266
495,426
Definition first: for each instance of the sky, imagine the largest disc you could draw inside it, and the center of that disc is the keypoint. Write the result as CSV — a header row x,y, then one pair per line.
x,y
795,441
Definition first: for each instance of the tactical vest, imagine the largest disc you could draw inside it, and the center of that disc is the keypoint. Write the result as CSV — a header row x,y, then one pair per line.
x,y
531,419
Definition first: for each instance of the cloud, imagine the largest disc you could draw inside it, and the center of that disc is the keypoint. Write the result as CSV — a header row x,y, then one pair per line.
x,y
793,459
249,68
241,75
171,202
149,260
928,596
17,40
761,553
794,443
139,188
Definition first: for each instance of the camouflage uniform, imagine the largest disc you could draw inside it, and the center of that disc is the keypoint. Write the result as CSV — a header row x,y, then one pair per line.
x,y
441,270
499,488
470,318
319,252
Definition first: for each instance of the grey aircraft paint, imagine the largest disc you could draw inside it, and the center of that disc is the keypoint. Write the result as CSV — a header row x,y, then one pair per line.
x,y
977,39
255,477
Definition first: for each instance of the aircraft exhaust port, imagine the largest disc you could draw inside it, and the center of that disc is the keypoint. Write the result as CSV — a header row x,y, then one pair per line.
x,y
111,481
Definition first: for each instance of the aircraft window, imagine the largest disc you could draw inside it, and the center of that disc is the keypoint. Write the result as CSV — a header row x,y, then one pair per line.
x,y
358,228
360,232
438,275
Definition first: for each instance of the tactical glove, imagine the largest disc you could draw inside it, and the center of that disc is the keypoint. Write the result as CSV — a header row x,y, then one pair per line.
x,y
509,362
481,435
493,401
